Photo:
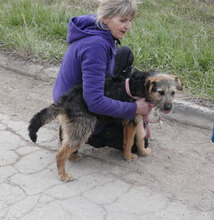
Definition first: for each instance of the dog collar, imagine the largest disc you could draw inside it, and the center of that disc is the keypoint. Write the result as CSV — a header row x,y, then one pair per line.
x,y
129,92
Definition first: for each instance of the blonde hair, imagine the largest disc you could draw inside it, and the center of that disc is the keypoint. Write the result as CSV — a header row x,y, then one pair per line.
x,y
111,8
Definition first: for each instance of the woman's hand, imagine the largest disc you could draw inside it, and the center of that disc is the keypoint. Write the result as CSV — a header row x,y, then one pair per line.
x,y
143,107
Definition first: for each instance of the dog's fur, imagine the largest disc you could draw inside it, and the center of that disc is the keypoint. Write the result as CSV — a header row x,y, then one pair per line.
x,y
78,123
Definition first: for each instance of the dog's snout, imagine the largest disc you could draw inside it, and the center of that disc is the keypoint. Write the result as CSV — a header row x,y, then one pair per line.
x,y
168,106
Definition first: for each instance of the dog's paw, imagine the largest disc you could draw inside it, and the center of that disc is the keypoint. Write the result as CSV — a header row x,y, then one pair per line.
x,y
75,157
145,152
131,156
66,178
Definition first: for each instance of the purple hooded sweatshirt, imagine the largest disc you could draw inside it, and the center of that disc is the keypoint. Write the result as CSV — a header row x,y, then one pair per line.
x,y
88,60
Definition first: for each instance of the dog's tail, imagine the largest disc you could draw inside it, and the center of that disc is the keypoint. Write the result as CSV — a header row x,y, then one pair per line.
x,y
43,117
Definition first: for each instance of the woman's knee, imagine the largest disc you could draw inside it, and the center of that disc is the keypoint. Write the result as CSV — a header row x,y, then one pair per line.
x,y
125,52
123,61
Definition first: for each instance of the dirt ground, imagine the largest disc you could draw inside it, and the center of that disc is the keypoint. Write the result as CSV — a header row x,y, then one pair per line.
x,y
181,165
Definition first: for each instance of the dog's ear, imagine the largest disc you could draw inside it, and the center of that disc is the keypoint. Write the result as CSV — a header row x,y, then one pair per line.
x,y
150,83
178,82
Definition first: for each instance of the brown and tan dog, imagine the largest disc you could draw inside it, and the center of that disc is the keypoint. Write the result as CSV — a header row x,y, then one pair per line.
x,y
78,123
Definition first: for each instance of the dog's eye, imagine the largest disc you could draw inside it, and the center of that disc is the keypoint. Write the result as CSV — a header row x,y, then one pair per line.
x,y
173,93
154,89
161,93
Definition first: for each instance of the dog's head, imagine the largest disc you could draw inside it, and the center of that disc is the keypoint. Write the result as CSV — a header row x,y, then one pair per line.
x,y
161,89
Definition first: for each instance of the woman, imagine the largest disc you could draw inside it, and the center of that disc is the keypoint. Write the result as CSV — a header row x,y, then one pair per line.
x,y
91,56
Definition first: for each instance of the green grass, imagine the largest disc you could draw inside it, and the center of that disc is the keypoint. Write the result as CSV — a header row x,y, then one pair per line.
x,y
35,29
173,36
176,36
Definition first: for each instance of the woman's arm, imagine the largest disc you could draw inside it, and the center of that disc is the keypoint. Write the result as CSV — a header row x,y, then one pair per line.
x,y
94,59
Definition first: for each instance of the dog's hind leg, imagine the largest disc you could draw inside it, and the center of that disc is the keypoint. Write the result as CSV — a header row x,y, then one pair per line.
x,y
75,133
128,141
140,142
63,155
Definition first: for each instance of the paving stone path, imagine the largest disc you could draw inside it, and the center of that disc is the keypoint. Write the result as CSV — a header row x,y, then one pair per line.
x,y
176,182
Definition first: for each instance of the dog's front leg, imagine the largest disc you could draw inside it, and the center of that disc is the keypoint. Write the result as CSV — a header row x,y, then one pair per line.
x,y
140,142
128,141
